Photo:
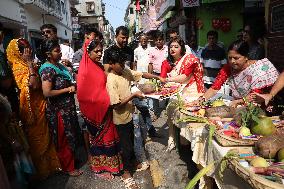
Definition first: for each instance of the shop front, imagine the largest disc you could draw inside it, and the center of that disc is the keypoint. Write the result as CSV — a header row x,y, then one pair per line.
x,y
275,36
224,17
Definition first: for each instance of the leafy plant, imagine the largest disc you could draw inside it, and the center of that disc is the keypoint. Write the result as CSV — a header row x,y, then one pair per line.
x,y
157,84
224,162
251,114
178,104
223,165
200,174
208,103
212,127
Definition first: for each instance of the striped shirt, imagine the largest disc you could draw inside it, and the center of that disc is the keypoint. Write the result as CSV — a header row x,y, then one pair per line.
x,y
212,60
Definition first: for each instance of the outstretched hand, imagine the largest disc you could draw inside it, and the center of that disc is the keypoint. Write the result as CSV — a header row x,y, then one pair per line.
x,y
265,97
139,94
163,80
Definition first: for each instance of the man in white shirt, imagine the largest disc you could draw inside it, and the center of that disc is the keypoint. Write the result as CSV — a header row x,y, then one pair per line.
x,y
141,62
67,53
141,54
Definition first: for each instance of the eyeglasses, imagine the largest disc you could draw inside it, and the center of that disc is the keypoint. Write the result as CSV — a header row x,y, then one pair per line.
x,y
46,32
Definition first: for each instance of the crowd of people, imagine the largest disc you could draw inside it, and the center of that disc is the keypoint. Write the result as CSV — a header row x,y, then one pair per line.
x,y
40,132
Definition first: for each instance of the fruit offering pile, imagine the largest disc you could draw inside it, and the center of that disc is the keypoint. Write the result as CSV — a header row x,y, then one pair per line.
x,y
158,89
168,89
270,168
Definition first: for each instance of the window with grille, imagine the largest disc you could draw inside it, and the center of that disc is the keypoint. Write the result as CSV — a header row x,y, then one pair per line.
x,y
90,6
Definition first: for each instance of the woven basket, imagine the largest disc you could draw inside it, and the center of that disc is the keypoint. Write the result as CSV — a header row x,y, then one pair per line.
x,y
256,181
227,141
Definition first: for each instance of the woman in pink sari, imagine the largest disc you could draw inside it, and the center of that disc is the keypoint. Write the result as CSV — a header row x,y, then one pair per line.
x,y
104,151
182,68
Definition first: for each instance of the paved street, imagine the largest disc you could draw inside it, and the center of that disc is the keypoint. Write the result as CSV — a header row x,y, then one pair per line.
x,y
174,168
88,180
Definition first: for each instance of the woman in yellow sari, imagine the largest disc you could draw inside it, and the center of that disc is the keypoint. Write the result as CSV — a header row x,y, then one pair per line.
x,y
32,108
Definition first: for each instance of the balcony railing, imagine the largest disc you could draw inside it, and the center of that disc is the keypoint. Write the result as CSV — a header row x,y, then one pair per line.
x,y
49,7
42,4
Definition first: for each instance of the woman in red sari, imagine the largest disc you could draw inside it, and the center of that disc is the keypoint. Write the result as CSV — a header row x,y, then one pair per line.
x,y
104,151
182,68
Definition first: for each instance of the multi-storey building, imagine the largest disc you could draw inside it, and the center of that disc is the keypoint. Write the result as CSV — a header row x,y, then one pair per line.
x,y
24,18
132,19
93,12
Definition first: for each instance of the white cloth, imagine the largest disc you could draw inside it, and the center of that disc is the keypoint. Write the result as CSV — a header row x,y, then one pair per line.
x,y
67,52
141,57
190,91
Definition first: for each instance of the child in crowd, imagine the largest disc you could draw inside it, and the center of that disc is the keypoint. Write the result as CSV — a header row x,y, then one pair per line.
x,y
119,87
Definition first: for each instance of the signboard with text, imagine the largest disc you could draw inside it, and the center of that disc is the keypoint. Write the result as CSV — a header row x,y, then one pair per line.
x,y
75,24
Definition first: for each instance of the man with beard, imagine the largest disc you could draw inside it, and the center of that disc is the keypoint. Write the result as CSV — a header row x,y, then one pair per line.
x,y
121,36
49,31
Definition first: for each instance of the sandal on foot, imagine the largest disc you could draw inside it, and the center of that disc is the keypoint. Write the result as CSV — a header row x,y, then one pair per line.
x,y
144,166
75,173
130,183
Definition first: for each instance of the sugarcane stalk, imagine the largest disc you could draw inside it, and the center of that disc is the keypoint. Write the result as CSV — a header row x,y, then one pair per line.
x,y
200,174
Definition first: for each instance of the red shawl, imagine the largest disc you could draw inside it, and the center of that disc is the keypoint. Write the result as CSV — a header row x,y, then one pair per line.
x,y
92,94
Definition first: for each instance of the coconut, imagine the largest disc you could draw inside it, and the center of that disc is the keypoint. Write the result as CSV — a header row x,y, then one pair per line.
x,y
220,111
263,127
280,155
147,88
259,162
268,146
